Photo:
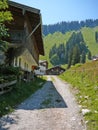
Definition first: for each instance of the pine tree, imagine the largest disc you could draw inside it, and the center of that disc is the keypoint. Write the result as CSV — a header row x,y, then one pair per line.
x,y
52,51
70,58
89,55
83,57
75,55
55,59
96,36
61,53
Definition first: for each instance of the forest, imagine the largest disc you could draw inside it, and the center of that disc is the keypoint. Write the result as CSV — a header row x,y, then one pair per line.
x,y
69,26
71,47
75,51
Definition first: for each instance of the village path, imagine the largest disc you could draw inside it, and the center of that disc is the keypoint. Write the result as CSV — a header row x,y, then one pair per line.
x,y
51,108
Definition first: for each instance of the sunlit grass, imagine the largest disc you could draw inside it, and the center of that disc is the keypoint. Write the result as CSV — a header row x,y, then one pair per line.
x,y
84,79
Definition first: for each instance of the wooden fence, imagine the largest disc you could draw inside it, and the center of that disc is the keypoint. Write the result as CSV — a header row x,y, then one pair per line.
x,y
6,87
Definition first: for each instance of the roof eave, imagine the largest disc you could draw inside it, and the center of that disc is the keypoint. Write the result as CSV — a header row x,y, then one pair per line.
x,y
24,7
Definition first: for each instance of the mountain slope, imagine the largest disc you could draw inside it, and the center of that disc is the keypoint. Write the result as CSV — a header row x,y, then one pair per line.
x,y
84,79
51,39
58,38
89,37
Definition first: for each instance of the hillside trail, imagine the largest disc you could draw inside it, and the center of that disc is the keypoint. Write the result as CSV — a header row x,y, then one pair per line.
x,y
53,107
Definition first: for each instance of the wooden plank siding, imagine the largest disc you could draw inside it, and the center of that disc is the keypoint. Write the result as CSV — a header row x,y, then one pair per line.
x,y
32,47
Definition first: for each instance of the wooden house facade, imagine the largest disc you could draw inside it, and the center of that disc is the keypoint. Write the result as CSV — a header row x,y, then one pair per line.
x,y
56,70
25,30
41,69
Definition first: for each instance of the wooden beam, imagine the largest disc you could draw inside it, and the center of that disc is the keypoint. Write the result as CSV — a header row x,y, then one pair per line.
x,y
33,30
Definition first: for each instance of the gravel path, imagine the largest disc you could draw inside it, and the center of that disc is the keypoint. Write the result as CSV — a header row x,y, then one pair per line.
x,y
46,110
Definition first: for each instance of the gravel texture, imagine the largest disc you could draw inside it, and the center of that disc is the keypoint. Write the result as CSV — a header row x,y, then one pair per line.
x,y
53,107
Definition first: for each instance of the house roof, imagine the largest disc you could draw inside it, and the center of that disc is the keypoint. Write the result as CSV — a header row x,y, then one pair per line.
x,y
56,70
34,17
24,7
43,61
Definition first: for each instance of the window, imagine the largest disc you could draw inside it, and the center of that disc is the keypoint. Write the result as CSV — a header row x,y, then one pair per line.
x,y
25,65
19,62
16,36
16,61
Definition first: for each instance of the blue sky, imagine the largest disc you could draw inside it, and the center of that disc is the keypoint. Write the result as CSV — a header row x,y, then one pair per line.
x,y
54,11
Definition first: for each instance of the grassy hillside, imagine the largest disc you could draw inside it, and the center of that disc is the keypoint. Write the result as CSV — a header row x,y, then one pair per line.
x,y
58,38
89,37
84,79
51,39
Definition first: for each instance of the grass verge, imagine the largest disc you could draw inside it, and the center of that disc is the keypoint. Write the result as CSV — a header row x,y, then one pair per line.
x,y
19,93
84,79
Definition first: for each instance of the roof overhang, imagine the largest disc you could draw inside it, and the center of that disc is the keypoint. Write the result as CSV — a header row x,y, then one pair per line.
x,y
24,7
34,17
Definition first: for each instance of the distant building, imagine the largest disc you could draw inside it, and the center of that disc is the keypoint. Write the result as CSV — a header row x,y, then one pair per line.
x,y
56,70
94,58
41,69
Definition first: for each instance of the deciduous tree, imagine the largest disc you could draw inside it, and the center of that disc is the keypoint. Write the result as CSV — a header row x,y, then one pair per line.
x,y
5,16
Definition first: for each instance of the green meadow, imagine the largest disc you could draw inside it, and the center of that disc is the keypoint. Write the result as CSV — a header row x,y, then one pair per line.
x,y
84,81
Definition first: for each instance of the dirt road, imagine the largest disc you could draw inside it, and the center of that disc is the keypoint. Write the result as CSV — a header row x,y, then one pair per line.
x,y
51,108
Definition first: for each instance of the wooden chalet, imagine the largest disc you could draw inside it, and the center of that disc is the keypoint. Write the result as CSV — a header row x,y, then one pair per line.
x,y
95,58
26,43
56,70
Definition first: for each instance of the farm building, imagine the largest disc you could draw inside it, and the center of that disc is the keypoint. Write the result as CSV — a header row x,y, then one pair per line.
x,y
56,70
26,43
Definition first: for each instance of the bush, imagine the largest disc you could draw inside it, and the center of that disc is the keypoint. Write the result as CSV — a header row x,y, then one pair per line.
x,y
9,73
9,70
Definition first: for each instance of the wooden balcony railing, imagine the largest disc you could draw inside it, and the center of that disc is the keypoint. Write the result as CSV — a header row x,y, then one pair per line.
x,y
17,36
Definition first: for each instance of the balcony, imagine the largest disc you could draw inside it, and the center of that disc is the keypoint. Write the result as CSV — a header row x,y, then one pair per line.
x,y
16,37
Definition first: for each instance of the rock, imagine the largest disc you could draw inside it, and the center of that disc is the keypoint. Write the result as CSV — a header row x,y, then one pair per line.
x,y
86,97
85,111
